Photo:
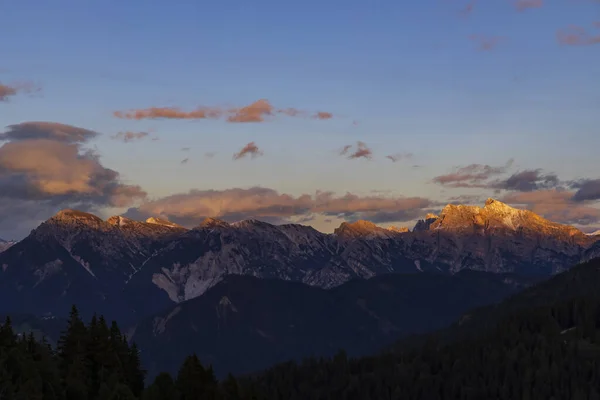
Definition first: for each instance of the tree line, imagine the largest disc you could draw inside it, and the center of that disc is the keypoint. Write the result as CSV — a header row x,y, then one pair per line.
x,y
551,352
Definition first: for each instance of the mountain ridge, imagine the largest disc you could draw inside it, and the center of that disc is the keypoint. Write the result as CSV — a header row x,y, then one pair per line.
x,y
148,266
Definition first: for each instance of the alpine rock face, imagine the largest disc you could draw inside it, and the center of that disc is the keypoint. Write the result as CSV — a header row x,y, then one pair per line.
x,y
143,267
77,258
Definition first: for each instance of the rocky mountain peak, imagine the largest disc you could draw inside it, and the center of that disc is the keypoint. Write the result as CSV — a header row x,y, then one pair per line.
x,y
75,216
210,222
360,228
492,205
119,220
162,222
401,229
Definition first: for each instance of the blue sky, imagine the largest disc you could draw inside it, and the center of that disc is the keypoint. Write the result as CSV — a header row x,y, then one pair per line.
x,y
409,73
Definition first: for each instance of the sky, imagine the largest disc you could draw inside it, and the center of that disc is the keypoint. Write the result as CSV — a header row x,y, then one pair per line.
x,y
310,112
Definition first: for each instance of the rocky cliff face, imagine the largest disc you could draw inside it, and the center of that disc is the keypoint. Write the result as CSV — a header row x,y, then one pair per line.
x,y
76,257
151,265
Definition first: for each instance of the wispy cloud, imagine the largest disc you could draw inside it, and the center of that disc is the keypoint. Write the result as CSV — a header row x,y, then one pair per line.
x,y
129,136
522,5
472,175
185,149
360,151
9,90
210,154
486,43
185,161
577,36
258,111
399,156
249,149
468,8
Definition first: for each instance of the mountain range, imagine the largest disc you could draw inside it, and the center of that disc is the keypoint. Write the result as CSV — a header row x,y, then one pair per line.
x,y
245,324
130,269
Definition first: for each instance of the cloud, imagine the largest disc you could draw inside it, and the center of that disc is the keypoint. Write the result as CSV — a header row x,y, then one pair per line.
x,y
210,154
255,112
129,136
258,111
236,204
323,115
345,150
577,36
47,130
587,190
468,9
361,151
527,181
251,149
522,5
471,175
185,149
8,91
44,163
168,113
486,43
399,156
555,205
185,160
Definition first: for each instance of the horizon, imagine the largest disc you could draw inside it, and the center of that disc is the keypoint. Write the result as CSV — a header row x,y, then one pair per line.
x,y
323,113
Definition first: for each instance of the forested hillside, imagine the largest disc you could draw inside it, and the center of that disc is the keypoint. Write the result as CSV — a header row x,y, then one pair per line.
x,y
542,344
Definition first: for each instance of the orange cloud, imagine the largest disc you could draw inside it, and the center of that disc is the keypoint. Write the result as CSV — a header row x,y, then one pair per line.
x,y
323,115
485,43
264,203
7,91
250,149
42,169
255,112
523,5
556,205
168,113
577,36
127,137
258,111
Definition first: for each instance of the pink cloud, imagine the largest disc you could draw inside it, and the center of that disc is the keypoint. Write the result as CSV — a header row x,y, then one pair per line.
x,y
577,36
